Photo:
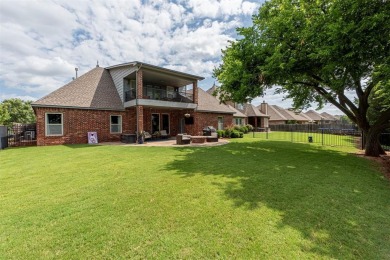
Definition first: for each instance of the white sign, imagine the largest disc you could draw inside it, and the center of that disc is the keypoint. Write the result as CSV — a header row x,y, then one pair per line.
x,y
92,138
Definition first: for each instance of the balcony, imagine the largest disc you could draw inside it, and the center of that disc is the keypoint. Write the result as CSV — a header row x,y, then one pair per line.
x,y
161,97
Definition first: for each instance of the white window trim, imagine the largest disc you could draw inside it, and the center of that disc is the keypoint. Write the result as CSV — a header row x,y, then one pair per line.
x,y
121,124
62,124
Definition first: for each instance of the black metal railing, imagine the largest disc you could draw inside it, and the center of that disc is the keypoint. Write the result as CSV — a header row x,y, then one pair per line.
x,y
161,94
22,135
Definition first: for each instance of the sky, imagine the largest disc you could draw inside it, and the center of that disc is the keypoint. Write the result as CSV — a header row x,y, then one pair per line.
x,y
43,41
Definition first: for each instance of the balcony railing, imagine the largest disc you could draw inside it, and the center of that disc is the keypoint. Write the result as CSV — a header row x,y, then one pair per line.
x,y
161,94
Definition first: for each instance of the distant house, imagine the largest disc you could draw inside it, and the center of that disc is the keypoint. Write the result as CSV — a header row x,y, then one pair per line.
x,y
127,98
316,117
246,113
328,118
279,115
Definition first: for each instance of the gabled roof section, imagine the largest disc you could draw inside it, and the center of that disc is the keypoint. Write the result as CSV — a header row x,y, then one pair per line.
x,y
93,90
237,113
208,103
314,115
251,110
274,114
328,116
158,69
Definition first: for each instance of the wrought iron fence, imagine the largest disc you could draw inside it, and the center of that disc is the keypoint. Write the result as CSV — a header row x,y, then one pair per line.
x,y
22,135
332,134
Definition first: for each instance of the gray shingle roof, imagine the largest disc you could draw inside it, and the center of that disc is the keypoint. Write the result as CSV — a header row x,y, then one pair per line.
x,y
208,103
251,110
314,115
328,116
237,113
93,90
274,114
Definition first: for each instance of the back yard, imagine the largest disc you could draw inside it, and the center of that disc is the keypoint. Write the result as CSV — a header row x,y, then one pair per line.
x,y
247,199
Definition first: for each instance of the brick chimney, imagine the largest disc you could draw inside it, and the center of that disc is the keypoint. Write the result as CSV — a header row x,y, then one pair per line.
x,y
264,108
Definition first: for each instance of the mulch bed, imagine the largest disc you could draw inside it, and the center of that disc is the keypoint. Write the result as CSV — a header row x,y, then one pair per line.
x,y
383,161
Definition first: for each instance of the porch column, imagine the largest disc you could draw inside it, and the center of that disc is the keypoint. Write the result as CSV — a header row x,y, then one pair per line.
x,y
140,110
195,91
256,123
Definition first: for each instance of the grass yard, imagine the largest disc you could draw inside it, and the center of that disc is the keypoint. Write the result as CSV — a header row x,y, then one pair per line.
x,y
317,138
248,199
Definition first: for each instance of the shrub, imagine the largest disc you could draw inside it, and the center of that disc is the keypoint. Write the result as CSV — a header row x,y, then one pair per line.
x,y
228,132
241,134
235,134
221,133
244,129
237,127
250,127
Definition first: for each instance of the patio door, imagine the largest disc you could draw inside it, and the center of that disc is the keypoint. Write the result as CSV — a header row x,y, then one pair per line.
x,y
165,122
181,125
155,122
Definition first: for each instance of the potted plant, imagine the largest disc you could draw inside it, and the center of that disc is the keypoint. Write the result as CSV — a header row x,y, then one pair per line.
x,y
141,137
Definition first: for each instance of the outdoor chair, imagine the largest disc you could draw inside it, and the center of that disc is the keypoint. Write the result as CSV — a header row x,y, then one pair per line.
x,y
183,139
147,135
163,134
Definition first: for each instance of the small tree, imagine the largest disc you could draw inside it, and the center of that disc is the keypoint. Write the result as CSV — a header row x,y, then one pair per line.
x,y
15,110
335,51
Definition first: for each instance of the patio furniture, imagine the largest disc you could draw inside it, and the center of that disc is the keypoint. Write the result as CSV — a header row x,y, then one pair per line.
x,y
213,138
147,135
128,138
163,134
198,139
183,139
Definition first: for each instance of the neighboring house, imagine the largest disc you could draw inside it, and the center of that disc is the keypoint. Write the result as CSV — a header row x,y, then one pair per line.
x,y
246,113
315,117
328,118
279,115
127,98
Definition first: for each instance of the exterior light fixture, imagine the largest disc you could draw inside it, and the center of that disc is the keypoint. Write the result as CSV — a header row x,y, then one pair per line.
x,y
187,115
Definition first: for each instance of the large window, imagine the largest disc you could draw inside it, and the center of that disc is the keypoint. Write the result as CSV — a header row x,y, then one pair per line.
x,y
220,123
116,124
238,121
54,123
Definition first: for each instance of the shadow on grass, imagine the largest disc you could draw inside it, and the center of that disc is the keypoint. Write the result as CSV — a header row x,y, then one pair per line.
x,y
335,200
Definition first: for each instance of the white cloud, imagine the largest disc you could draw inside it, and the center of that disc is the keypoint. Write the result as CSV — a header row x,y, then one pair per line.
x,y
42,41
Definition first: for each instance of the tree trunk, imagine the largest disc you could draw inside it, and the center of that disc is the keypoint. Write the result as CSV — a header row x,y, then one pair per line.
x,y
372,145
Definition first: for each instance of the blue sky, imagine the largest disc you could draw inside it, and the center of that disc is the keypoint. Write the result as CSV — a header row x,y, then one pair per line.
x,y
41,42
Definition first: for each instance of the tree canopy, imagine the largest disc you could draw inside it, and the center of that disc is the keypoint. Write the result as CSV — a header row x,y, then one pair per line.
x,y
15,110
328,51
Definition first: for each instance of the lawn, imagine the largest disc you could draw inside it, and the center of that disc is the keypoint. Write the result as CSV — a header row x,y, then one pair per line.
x,y
248,199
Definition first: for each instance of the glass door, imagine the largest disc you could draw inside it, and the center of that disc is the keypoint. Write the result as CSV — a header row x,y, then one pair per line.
x,y
155,123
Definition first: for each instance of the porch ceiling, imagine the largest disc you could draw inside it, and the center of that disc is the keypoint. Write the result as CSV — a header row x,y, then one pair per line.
x,y
162,78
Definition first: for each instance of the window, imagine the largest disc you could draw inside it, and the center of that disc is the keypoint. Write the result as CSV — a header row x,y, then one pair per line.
x,y
116,124
54,124
238,121
220,123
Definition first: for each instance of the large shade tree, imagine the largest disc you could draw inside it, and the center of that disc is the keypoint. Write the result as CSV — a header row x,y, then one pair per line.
x,y
15,110
324,51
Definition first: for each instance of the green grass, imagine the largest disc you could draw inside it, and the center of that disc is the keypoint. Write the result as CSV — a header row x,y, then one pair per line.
x,y
302,137
247,199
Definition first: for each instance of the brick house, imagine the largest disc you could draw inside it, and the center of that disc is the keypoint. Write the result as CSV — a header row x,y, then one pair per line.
x,y
127,98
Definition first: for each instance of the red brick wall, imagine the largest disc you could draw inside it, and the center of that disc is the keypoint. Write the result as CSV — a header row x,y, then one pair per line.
x,y
202,120
77,122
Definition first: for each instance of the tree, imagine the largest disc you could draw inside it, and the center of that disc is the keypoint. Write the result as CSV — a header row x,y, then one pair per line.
x,y
15,110
329,51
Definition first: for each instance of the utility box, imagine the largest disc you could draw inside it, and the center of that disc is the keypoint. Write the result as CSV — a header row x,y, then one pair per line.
x,y
3,137
310,139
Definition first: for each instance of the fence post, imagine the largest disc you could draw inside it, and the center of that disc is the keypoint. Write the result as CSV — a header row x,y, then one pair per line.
x,y
266,133
322,136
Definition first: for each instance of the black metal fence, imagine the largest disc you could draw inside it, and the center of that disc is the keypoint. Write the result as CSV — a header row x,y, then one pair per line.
x,y
325,134
22,135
